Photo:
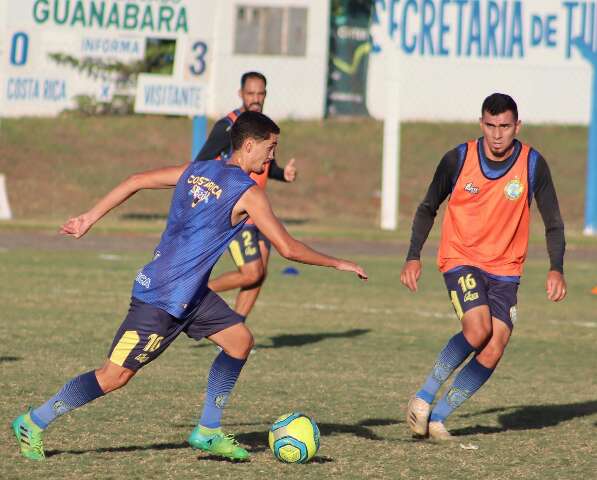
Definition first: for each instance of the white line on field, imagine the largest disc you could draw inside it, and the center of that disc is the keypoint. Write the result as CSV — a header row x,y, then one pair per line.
x,y
394,311
371,310
577,324
110,257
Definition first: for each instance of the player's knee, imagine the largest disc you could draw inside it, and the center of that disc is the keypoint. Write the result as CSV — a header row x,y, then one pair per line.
x,y
111,377
478,336
243,345
491,355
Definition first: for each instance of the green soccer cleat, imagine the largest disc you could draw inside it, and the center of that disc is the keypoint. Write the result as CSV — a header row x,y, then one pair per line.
x,y
215,442
29,437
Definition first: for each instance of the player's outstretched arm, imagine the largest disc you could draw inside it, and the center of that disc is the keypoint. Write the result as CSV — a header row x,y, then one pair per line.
x,y
152,179
411,271
255,203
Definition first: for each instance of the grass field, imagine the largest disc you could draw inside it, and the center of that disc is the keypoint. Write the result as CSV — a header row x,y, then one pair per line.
x,y
53,166
348,353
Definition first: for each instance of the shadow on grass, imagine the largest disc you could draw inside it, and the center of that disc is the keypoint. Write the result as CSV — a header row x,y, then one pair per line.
x,y
126,448
530,417
299,340
254,441
10,359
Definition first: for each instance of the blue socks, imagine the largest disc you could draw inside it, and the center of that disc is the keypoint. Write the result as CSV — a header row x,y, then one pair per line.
x,y
450,358
470,379
75,393
222,377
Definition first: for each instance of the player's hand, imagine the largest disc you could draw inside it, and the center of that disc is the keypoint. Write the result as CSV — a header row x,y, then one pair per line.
x,y
410,274
77,226
290,171
347,266
555,286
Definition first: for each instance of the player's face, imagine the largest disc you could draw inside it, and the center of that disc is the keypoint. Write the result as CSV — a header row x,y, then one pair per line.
x,y
499,132
261,153
253,95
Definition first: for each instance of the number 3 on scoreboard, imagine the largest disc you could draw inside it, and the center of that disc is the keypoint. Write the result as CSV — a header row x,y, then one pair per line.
x,y
199,52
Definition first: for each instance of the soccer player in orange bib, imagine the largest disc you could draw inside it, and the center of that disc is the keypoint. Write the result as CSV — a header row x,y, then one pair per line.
x,y
484,239
249,248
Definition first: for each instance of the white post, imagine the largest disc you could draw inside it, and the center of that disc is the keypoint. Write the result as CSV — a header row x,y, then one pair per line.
x,y
390,173
5,213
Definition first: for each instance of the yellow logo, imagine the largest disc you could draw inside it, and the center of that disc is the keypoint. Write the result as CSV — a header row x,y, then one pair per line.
x,y
470,296
513,189
142,357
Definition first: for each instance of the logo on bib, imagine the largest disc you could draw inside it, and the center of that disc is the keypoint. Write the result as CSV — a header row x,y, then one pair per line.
x,y
513,189
470,188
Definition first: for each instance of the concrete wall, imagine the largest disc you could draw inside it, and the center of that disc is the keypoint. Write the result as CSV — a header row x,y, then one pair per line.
x,y
523,48
32,84
449,55
296,85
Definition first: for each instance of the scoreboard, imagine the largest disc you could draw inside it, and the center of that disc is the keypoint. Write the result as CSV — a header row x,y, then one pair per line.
x,y
31,31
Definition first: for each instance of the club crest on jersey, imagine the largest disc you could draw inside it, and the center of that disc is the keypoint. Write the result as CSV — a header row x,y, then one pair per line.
x,y
513,189
470,188
202,189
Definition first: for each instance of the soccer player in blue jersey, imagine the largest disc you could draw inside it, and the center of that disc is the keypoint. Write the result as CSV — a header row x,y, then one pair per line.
x,y
249,248
211,202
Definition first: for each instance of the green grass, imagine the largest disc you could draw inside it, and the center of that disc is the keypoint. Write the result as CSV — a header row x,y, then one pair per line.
x,y
56,167
348,353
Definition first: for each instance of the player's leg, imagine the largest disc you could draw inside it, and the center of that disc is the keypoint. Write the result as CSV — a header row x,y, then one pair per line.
x,y
501,297
29,426
470,379
220,324
246,298
143,335
246,254
476,329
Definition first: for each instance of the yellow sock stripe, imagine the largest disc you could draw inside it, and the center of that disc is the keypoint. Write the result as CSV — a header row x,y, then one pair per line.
x,y
125,345
456,304
237,255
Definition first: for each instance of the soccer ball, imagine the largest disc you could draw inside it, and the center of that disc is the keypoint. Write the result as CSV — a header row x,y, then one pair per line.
x,y
294,438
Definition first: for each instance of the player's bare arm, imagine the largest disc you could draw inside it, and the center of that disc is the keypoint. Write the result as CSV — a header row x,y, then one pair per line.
x,y
152,179
411,271
255,203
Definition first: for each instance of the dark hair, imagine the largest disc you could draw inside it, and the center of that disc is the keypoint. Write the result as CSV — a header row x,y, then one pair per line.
x,y
252,125
248,75
498,103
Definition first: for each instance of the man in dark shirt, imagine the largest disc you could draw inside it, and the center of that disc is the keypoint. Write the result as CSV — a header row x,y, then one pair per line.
x,y
249,249
484,239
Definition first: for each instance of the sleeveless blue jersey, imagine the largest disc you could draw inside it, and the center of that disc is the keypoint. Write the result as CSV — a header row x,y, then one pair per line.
x,y
197,233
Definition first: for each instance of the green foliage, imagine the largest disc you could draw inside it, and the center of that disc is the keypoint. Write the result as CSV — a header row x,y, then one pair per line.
x,y
88,105
159,59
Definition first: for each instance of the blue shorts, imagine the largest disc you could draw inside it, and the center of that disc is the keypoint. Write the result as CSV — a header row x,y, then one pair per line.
x,y
471,287
147,330
244,247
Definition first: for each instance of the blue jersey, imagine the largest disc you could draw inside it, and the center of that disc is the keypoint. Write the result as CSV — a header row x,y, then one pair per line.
x,y
197,233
